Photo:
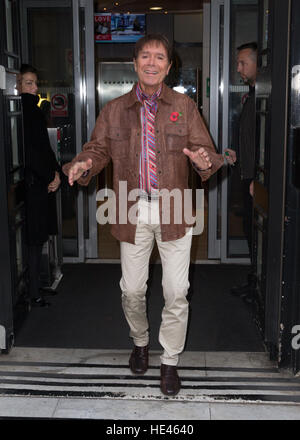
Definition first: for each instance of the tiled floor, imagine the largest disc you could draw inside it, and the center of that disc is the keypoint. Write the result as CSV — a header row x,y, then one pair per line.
x,y
96,384
70,408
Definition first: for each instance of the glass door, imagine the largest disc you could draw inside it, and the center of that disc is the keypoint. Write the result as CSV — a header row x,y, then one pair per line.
x,y
12,213
233,22
58,42
261,181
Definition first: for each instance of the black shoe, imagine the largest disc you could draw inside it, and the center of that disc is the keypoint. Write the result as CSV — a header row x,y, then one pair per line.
x,y
138,361
48,291
39,302
169,380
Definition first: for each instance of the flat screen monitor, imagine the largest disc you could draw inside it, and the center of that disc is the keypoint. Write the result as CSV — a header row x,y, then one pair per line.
x,y
119,28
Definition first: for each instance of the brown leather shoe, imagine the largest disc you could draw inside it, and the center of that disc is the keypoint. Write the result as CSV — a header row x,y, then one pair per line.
x,y
138,360
169,380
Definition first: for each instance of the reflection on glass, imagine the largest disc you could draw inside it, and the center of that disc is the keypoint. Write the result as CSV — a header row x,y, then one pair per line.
x,y
261,177
243,29
220,115
186,82
13,105
19,253
259,253
14,141
50,31
9,26
265,25
262,132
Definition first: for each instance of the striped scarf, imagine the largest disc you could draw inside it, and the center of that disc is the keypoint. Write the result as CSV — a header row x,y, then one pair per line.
x,y
148,176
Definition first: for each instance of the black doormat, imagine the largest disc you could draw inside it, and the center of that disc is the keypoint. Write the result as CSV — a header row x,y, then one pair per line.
x,y
87,311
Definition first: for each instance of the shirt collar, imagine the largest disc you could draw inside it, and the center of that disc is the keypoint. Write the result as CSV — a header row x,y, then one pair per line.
x,y
165,95
143,97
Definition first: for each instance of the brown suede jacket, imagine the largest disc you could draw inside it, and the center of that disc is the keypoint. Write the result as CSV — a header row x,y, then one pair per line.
x,y
117,137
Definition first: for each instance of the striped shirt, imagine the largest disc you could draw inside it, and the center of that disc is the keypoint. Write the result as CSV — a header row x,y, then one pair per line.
x,y
147,175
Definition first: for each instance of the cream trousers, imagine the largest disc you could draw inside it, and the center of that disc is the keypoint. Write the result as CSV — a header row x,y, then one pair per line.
x,y
175,260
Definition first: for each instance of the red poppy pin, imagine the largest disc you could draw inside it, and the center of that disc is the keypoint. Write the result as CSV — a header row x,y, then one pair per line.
x,y
174,116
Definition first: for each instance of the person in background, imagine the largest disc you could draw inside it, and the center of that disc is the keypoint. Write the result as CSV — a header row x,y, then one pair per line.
x,y
42,179
247,68
151,134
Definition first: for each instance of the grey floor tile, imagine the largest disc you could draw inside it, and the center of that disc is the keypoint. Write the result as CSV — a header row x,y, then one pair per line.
x,y
33,354
131,410
246,411
31,407
238,359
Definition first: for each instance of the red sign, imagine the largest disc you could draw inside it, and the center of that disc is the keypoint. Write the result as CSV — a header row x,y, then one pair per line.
x,y
59,105
102,27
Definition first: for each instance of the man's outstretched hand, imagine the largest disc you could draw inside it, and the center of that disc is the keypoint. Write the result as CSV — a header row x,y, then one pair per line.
x,y
200,158
76,170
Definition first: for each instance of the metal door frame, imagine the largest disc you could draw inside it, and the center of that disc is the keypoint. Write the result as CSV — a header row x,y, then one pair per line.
x,y
13,281
87,247
288,294
214,245
217,247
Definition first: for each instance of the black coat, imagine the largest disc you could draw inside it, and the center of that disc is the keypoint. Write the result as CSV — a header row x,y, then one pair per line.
x,y
40,167
247,136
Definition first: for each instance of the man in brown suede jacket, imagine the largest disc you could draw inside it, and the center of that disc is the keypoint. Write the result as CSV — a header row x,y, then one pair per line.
x,y
151,134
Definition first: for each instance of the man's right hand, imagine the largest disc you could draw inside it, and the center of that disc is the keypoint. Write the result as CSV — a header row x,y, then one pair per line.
x,y
76,170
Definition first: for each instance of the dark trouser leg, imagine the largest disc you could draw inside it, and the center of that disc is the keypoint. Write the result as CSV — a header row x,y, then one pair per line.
x,y
34,262
246,290
248,216
248,230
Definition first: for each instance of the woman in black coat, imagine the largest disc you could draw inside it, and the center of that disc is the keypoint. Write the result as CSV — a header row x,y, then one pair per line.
x,y
41,179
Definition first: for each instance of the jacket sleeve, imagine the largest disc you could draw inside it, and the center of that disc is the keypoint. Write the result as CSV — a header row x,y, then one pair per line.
x,y
40,158
96,149
200,137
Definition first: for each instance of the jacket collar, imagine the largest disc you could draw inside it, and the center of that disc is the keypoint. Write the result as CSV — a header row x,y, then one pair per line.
x,y
28,98
166,96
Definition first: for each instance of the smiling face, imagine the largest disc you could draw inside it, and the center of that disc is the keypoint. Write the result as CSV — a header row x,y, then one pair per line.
x,y
152,66
27,83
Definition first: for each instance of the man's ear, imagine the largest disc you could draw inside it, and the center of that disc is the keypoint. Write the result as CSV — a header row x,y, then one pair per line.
x,y
170,65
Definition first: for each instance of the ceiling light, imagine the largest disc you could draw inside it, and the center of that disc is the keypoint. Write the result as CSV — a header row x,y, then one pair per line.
x,y
156,8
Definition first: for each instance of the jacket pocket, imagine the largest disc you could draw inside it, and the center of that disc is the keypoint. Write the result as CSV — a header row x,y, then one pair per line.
x,y
176,137
119,141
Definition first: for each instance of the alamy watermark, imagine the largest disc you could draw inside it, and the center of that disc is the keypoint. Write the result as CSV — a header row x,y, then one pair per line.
x,y
175,201
296,339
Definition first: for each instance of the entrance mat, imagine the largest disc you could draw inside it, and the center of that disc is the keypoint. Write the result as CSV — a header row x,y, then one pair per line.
x,y
104,374
87,311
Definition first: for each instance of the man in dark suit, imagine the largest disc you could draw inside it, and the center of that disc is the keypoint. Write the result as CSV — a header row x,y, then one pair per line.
x,y
247,68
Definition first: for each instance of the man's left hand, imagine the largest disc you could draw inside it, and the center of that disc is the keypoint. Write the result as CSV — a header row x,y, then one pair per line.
x,y
200,158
